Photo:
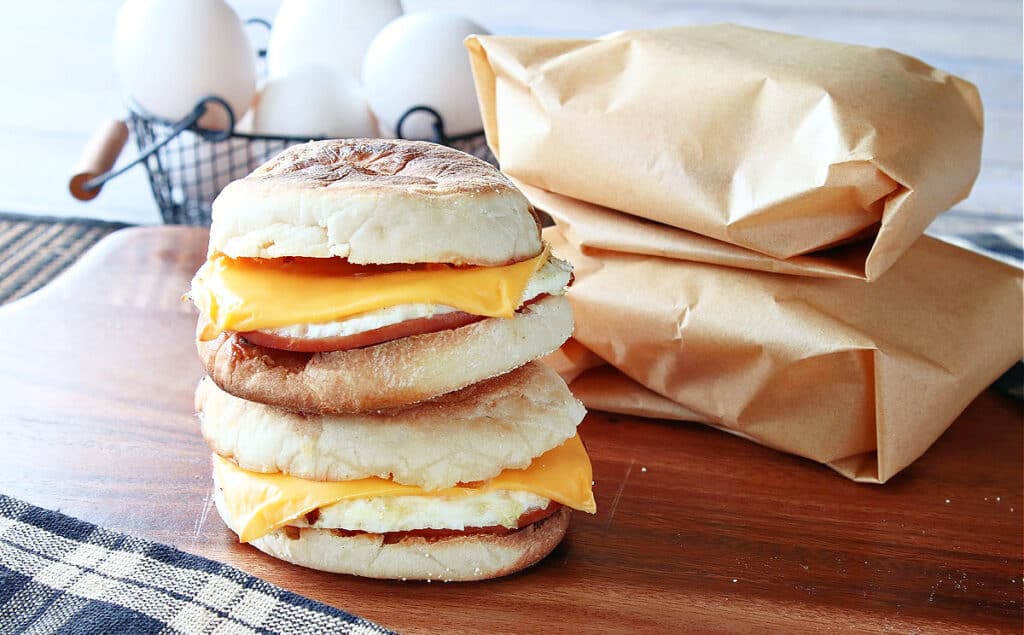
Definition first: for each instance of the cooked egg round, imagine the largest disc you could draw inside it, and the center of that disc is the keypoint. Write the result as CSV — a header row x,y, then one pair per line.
x,y
384,514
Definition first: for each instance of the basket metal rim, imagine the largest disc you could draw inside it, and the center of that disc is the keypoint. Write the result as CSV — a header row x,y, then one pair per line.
x,y
136,110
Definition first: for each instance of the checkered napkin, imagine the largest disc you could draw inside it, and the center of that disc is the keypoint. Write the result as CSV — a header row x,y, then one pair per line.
x,y
60,574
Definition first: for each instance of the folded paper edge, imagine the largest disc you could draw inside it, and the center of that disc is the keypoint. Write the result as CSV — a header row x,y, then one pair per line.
x,y
485,82
741,259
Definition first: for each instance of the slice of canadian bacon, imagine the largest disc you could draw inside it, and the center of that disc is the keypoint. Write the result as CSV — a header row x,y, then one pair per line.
x,y
417,326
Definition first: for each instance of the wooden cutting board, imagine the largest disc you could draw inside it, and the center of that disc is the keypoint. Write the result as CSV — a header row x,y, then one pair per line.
x,y
696,529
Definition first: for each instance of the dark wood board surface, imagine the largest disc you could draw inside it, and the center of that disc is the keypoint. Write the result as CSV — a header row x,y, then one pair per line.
x,y
696,529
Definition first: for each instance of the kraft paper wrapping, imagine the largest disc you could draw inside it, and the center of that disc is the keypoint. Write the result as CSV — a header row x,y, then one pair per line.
x,y
862,377
586,225
776,144
730,199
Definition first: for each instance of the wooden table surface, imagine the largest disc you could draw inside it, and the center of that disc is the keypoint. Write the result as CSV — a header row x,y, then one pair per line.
x,y
696,529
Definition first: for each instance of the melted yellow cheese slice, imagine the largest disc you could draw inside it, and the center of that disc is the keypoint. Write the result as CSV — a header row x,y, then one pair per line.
x,y
260,503
248,294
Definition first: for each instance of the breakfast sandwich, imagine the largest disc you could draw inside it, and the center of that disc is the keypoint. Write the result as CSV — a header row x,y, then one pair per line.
x,y
352,275
370,313
475,484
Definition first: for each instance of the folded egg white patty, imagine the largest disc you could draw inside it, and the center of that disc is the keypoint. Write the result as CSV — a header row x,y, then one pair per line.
x,y
383,514
254,504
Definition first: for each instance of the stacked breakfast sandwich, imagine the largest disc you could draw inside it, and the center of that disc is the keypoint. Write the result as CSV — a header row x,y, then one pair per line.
x,y
370,313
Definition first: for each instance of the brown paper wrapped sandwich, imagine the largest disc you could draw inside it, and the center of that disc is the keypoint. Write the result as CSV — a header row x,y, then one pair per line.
x,y
780,145
369,313
744,210
861,377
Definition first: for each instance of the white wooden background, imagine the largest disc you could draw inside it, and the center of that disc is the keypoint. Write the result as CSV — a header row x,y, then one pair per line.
x,y
57,80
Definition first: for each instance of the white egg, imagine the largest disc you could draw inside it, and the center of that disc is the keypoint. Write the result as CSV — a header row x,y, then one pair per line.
x,y
417,60
333,33
244,125
313,101
172,53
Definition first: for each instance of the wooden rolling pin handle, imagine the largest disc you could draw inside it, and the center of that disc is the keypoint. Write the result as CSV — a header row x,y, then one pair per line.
x,y
98,158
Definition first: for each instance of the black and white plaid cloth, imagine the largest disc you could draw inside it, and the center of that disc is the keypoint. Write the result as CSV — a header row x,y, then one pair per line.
x,y
60,574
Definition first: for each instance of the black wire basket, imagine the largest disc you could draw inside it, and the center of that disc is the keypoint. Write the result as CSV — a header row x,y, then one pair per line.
x,y
188,165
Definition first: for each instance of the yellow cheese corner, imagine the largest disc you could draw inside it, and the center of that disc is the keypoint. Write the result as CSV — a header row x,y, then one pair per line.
x,y
257,504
